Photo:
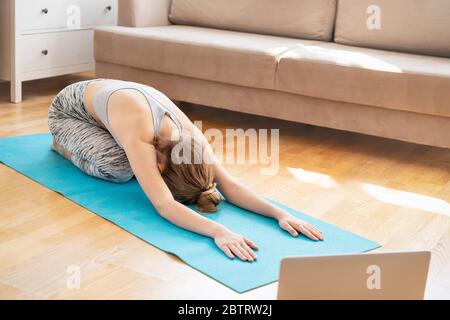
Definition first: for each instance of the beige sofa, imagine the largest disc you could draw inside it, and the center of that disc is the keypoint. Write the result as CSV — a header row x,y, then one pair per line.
x,y
378,67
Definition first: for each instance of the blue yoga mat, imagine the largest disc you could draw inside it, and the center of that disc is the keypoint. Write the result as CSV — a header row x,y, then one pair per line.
x,y
127,206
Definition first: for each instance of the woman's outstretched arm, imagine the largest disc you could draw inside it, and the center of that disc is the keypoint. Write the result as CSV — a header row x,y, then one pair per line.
x,y
142,157
245,198
132,130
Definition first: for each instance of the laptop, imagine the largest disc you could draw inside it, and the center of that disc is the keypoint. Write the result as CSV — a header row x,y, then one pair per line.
x,y
388,276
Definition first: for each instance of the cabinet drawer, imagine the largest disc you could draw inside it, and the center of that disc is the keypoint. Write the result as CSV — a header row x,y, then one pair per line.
x,y
58,14
56,49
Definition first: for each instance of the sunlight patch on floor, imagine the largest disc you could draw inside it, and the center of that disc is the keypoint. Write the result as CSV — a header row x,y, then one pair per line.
x,y
407,199
314,178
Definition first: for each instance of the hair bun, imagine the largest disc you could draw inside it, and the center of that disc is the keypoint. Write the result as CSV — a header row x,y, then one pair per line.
x,y
209,190
209,199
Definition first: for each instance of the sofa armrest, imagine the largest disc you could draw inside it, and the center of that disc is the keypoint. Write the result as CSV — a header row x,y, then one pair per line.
x,y
143,13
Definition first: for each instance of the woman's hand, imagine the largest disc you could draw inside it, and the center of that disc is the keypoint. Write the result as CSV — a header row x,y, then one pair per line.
x,y
295,226
233,244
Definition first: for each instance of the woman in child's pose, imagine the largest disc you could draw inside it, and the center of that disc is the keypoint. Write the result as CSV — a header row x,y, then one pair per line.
x,y
115,130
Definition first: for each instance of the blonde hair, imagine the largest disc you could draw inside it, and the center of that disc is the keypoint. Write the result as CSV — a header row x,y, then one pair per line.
x,y
191,182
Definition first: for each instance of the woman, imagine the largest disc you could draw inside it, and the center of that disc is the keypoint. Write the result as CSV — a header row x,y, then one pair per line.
x,y
115,130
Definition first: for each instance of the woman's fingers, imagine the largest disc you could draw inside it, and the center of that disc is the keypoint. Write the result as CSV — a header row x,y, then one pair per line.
x,y
306,232
251,244
245,252
249,251
238,252
290,229
314,231
227,252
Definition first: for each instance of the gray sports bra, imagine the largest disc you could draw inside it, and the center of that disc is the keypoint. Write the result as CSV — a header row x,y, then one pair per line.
x,y
157,108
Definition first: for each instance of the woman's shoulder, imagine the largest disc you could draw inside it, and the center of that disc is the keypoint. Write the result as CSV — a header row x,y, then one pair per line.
x,y
129,115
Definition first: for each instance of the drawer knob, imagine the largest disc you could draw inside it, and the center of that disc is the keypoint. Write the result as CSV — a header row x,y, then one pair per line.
x,y
45,52
108,8
44,11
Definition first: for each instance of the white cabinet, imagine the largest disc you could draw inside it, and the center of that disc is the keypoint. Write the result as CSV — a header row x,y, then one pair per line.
x,y
45,38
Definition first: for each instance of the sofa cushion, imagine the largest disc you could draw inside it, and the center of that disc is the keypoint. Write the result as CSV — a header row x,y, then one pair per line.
x,y
209,54
143,13
307,19
415,26
367,76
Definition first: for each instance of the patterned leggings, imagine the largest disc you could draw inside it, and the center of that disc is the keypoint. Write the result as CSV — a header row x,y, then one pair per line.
x,y
91,148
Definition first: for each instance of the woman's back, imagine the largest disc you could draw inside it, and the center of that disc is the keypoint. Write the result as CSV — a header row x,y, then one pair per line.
x,y
110,102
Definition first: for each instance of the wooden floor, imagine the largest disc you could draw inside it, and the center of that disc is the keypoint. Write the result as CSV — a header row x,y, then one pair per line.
x,y
392,192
